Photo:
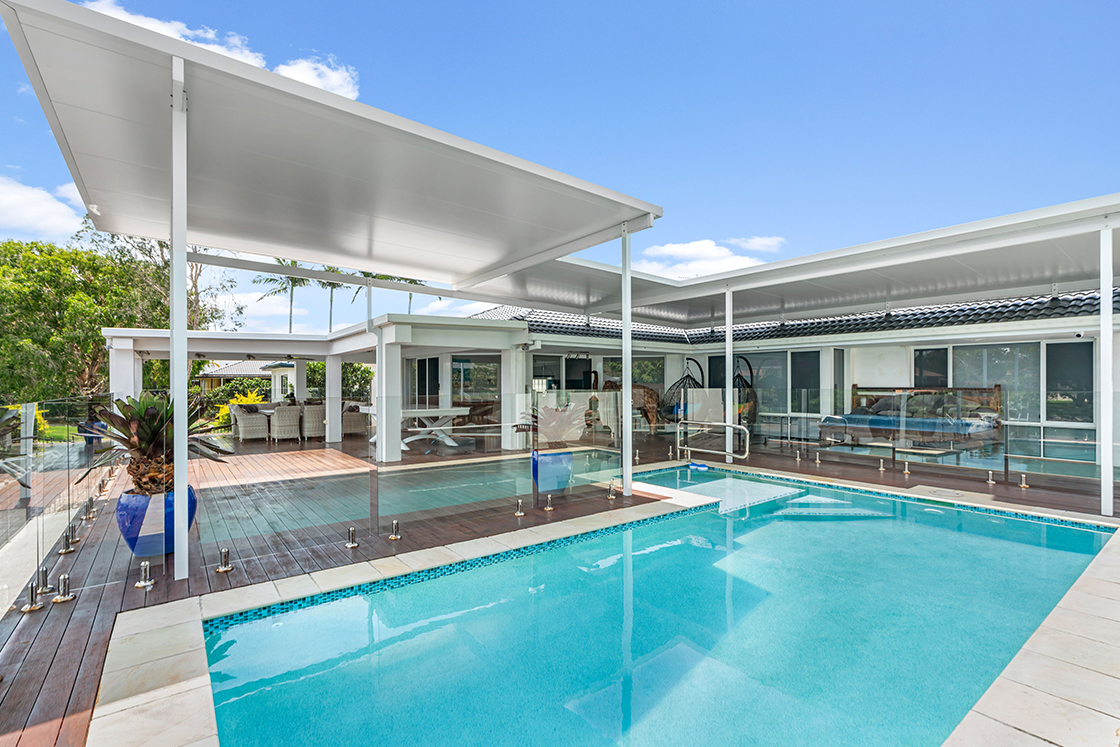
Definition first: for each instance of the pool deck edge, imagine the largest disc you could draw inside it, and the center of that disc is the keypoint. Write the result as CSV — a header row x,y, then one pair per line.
x,y
155,685
1063,686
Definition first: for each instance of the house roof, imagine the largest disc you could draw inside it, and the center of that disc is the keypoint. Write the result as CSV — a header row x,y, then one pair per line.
x,y
239,370
1079,303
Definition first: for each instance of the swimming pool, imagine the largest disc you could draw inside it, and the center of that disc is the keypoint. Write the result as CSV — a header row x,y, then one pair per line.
x,y
747,627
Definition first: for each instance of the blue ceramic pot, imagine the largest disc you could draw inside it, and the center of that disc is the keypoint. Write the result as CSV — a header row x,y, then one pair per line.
x,y
131,508
552,471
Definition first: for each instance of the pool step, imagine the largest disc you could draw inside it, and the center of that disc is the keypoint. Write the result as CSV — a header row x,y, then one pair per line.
x,y
817,500
838,512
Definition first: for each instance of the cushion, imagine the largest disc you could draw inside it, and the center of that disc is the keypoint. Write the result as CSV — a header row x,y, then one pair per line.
x,y
249,408
353,408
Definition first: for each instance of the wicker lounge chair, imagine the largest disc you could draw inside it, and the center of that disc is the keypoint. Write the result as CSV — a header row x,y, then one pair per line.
x,y
313,421
285,423
250,425
354,423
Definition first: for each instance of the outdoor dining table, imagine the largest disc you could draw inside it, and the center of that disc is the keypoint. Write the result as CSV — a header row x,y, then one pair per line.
x,y
436,423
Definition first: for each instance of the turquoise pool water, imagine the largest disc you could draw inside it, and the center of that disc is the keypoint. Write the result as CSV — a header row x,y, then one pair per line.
x,y
754,627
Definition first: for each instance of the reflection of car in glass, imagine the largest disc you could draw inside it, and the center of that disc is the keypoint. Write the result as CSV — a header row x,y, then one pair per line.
x,y
921,416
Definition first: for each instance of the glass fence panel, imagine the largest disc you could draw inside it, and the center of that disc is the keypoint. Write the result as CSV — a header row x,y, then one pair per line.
x,y
576,442
277,477
473,458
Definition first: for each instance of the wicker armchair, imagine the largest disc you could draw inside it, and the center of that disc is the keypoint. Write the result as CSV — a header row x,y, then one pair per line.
x,y
233,410
250,425
313,421
285,423
354,423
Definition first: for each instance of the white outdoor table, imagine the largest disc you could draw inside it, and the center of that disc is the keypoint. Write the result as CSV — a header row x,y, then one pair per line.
x,y
436,421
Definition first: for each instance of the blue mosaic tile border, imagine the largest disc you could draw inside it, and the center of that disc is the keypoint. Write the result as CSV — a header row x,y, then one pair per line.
x,y
1105,528
219,624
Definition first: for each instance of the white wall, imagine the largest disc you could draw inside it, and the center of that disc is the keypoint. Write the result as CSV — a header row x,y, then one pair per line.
x,y
887,365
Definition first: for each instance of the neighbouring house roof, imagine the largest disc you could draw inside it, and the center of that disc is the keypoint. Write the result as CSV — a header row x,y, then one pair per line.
x,y
239,370
1081,303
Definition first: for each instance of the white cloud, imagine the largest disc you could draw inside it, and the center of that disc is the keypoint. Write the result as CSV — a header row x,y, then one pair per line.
x,y
697,267
702,249
69,193
453,307
35,212
234,45
259,306
25,88
692,259
758,243
328,74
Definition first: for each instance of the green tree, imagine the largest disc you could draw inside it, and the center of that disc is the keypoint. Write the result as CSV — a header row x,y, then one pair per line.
x,y
151,263
356,378
282,284
329,285
53,304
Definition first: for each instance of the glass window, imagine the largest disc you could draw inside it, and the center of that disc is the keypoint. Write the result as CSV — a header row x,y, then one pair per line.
x,y
771,380
648,371
717,378
1079,444
1069,382
931,367
805,381
546,372
475,379
577,373
1014,367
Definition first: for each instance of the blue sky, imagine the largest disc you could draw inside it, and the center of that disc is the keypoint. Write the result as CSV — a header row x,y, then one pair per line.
x,y
767,130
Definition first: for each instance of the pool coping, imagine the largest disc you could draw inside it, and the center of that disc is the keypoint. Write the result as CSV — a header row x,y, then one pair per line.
x,y
155,686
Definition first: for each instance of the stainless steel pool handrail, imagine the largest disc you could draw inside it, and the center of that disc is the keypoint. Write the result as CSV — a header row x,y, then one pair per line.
x,y
723,452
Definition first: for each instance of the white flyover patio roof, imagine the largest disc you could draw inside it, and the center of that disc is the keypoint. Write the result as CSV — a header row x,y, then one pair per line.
x,y
280,168
1021,254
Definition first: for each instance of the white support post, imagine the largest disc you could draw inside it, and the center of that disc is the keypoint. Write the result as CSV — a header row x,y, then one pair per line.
x,y
729,374
513,396
445,382
389,409
137,375
122,368
379,393
1105,431
627,406
179,366
334,399
369,305
301,380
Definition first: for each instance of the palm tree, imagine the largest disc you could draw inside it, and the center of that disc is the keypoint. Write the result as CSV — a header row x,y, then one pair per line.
x,y
330,285
395,278
282,284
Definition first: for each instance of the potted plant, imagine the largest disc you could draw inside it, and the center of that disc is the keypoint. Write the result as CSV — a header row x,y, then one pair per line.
x,y
143,429
555,427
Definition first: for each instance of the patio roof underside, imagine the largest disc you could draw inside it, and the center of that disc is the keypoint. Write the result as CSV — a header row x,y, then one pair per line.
x,y
282,169
1014,256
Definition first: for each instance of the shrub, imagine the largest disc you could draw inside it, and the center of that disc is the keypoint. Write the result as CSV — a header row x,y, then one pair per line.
x,y
248,398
